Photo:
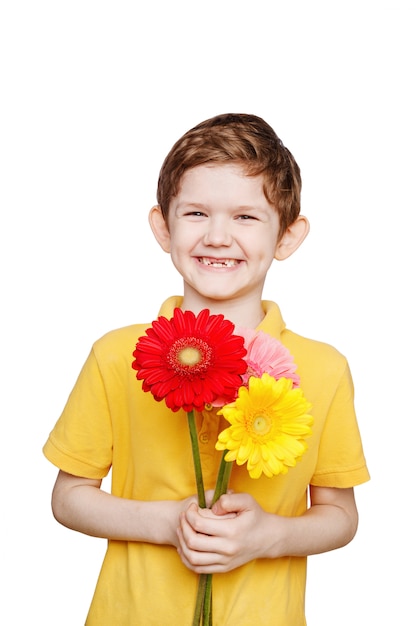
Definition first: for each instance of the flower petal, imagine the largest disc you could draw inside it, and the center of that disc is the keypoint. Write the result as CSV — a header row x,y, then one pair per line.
x,y
190,360
268,423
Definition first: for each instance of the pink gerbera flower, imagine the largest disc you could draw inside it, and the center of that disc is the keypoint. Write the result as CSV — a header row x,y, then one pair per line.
x,y
265,354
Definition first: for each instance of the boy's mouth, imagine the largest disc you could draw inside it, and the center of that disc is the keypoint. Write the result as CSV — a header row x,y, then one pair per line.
x,y
218,262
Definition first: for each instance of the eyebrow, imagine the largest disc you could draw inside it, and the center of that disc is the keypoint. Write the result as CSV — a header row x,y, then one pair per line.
x,y
199,205
195,205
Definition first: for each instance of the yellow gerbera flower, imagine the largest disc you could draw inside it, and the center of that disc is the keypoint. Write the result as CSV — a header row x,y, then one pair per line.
x,y
269,421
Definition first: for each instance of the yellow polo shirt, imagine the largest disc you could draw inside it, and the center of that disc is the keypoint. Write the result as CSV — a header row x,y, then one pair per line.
x,y
109,422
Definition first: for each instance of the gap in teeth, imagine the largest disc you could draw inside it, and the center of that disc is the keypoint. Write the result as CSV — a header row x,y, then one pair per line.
x,y
224,263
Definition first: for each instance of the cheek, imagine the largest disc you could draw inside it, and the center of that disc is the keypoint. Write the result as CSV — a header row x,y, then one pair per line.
x,y
266,247
178,240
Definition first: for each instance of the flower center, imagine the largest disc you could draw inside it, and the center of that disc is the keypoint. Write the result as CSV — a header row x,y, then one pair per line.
x,y
189,355
253,369
261,424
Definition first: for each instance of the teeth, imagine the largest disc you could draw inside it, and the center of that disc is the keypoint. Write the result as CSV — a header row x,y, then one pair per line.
x,y
218,263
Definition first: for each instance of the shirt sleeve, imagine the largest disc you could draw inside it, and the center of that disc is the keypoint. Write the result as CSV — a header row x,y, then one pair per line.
x,y
81,440
341,462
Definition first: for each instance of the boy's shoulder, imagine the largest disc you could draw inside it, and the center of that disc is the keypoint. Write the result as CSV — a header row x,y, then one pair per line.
x,y
124,332
307,343
313,353
119,341
301,347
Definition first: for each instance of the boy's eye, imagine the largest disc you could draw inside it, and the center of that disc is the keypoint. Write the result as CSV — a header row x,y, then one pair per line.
x,y
196,213
245,217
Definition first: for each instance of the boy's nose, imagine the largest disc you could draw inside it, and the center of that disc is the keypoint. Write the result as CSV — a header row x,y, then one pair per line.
x,y
217,234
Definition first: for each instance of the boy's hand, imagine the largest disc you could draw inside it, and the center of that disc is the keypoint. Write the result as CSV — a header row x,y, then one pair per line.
x,y
238,530
223,538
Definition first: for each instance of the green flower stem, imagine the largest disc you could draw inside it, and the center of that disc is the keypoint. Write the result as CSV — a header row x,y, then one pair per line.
x,y
222,478
197,460
201,594
202,581
203,607
207,612
221,487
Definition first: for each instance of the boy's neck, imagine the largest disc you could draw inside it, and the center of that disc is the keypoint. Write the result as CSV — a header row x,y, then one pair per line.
x,y
247,314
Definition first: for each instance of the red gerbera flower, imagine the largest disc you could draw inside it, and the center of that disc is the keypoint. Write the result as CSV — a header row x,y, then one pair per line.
x,y
190,360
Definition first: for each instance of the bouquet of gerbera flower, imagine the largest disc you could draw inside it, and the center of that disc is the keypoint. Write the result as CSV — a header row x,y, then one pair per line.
x,y
190,361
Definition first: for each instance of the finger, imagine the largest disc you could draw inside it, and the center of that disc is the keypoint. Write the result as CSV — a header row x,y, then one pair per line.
x,y
232,503
193,548
209,496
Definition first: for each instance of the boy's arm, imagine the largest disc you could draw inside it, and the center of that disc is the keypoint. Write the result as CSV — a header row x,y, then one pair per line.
x,y
81,505
209,544
331,522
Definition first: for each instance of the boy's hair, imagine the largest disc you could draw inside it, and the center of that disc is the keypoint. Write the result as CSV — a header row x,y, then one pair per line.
x,y
236,138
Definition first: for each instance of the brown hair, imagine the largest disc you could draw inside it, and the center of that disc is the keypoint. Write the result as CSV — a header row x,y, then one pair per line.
x,y
238,138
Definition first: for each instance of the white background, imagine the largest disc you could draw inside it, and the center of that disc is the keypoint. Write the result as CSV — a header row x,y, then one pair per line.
x,y
93,96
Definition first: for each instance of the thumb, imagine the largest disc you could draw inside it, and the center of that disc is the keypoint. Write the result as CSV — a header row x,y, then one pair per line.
x,y
227,503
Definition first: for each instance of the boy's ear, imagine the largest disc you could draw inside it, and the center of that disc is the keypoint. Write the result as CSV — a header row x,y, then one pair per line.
x,y
292,238
160,228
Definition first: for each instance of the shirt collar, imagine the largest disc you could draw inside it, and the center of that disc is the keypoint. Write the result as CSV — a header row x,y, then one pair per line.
x,y
273,324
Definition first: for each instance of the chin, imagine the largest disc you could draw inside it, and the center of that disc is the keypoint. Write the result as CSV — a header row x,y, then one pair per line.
x,y
220,296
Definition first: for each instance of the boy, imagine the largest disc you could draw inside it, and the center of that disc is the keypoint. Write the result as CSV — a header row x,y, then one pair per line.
x,y
228,205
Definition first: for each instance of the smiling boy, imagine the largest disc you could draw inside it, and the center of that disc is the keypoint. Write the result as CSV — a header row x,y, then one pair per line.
x,y
222,235
228,205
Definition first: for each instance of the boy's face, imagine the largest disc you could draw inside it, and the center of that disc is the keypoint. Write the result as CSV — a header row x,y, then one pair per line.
x,y
223,234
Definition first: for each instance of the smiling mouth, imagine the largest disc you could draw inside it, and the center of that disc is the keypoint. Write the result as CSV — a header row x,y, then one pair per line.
x,y
218,262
